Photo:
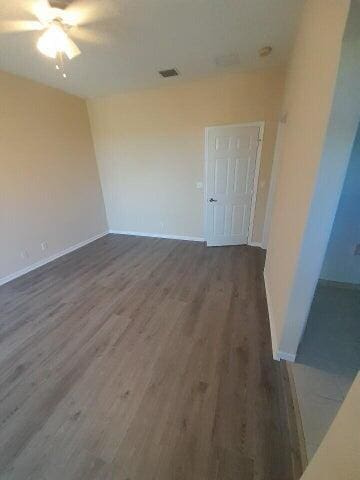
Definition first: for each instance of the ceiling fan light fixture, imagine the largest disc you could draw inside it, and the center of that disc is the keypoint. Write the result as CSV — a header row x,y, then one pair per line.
x,y
52,41
55,41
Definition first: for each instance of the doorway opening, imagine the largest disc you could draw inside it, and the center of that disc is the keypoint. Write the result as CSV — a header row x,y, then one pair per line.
x,y
328,357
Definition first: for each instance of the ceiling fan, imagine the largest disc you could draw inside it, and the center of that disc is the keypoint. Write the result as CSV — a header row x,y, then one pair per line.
x,y
58,19
55,40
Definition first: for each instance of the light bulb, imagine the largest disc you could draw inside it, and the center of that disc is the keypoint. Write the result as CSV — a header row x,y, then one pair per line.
x,y
52,41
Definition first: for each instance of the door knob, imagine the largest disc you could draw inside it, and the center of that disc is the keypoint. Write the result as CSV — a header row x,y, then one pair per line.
x,y
212,200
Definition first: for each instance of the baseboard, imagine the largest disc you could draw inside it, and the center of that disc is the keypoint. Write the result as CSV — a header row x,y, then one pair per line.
x,y
323,282
295,423
277,354
51,258
256,244
289,357
157,235
172,237
274,342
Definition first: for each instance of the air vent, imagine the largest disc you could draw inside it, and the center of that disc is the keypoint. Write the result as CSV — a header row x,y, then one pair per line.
x,y
172,72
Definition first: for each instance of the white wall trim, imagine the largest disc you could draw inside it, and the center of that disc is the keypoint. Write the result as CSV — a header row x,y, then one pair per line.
x,y
250,124
274,342
51,258
261,125
277,354
273,181
157,235
256,244
289,357
324,282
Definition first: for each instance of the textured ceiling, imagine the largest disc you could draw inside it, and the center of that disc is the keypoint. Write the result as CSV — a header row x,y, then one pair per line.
x,y
136,38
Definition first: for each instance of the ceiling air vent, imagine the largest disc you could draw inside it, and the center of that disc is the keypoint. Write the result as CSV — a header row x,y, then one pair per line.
x,y
172,72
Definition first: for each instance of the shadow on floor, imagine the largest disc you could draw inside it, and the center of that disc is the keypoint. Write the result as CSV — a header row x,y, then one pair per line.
x,y
331,340
328,360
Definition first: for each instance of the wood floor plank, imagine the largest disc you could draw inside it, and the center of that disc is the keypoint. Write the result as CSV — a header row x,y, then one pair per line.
x,y
137,359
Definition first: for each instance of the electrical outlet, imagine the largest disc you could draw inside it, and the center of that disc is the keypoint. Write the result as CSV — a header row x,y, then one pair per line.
x,y
357,249
44,246
24,254
199,185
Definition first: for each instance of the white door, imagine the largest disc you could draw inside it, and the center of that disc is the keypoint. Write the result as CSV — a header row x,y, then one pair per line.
x,y
230,172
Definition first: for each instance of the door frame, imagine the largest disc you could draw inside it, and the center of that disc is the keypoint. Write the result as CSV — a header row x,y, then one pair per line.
x,y
261,125
273,180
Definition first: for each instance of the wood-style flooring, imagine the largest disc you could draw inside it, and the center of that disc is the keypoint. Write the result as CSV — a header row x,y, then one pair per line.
x,y
140,358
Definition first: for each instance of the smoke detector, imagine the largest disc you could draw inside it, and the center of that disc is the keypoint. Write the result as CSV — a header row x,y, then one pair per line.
x,y
265,51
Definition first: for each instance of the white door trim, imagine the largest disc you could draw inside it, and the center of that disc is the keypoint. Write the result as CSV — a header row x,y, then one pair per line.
x,y
261,125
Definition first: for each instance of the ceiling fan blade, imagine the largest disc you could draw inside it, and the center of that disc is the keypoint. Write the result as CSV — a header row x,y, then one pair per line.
x,y
71,50
42,10
83,12
87,35
13,26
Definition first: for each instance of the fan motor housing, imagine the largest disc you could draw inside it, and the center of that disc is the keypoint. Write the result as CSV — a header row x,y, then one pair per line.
x,y
62,4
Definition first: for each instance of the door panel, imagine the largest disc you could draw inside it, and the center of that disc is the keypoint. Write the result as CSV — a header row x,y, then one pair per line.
x,y
230,171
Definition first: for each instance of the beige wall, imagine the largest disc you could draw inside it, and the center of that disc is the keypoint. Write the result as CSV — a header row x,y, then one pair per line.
x,y
150,148
308,99
49,185
338,457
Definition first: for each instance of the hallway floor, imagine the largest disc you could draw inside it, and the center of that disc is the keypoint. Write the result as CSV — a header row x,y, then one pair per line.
x,y
328,359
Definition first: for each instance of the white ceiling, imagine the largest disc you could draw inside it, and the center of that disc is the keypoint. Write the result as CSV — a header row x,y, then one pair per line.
x,y
140,37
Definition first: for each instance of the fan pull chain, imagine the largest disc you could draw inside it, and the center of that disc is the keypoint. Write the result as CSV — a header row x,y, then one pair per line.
x,y
60,64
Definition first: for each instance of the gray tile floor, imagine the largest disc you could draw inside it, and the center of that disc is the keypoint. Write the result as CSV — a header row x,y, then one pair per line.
x,y
328,359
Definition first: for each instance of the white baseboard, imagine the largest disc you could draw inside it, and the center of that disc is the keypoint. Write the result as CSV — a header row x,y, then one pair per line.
x,y
323,282
274,342
256,244
277,354
289,357
49,259
157,235
173,237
